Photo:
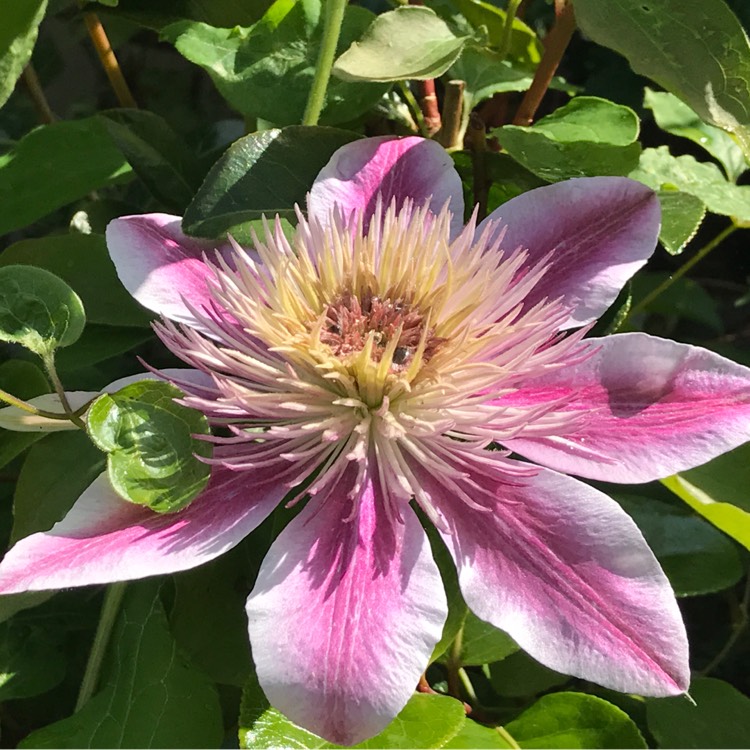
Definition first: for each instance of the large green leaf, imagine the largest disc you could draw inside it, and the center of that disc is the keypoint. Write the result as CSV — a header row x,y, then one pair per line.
x,y
251,67
263,173
18,32
55,165
588,136
151,696
82,261
720,717
519,675
473,736
157,155
696,50
427,721
211,600
482,643
677,118
38,310
151,445
47,486
574,720
410,42
718,491
659,169
696,557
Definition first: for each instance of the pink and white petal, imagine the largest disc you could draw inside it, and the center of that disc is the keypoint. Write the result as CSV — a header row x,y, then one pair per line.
x,y
600,231
564,571
104,538
160,266
345,615
652,407
394,168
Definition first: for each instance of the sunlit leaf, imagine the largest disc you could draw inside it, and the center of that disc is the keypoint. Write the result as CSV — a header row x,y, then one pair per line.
x,y
574,720
588,136
677,118
150,445
698,51
681,217
38,310
410,42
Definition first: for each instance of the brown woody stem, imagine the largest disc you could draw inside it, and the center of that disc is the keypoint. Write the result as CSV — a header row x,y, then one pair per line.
x,y
556,42
478,142
36,93
108,60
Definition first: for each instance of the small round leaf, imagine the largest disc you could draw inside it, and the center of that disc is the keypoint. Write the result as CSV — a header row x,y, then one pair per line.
x,y
151,445
38,310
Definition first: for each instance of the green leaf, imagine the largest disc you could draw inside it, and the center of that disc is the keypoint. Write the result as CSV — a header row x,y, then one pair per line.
x,y
24,380
685,298
150,445
524,44
588,136
574,720
211,600
157,155
483,643
519,675
279,54
55,165
82,261
410,42
486,73
12,604
18,32
474,735
151,696
47,486
696,557
263,173
717,490
38,310
681,216
97,344
659,169
677,118
31,660
698,51
720,717
427,721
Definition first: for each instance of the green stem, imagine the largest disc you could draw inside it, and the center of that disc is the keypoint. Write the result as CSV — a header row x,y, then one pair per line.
x,y
510,15
506,735
107,618
30,408
49,365
416,110
682,270
468,687
334,17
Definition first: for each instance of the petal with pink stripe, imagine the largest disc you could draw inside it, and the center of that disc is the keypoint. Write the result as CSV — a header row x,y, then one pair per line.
x,y
160,266
345,615
651,407
104,538
598,231
394,168
564,571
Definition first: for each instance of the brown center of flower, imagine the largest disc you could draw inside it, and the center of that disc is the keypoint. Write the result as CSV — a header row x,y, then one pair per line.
x,y
351,318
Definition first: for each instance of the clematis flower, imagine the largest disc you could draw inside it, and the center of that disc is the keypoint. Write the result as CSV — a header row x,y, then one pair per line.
x,y
387,358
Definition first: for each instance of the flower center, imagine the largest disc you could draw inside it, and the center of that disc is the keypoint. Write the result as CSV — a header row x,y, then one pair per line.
x,y
393,324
